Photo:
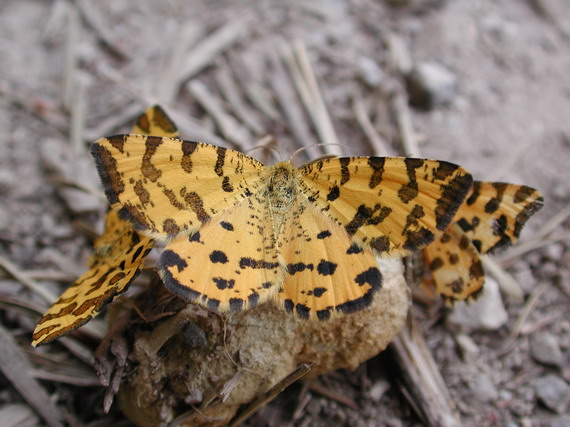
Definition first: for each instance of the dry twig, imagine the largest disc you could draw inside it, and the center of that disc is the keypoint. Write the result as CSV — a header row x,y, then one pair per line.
x,y
268,396
231,93
206,51
229,127
424,382
299,65
379,145
288,101
16,368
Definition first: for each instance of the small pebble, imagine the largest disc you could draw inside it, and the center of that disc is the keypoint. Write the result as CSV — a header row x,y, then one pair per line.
x,y
487,313
370,71
431,85
378,389
544,348
525,279
561,421
553,392
554,251
468,347
483,389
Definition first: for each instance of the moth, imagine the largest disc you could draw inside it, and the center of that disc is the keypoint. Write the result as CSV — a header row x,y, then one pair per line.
x,y
119,255
239,233
492,217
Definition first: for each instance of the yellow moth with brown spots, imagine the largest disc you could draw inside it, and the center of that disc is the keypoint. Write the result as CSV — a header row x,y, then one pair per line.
x,y
492,216
240,233
119,254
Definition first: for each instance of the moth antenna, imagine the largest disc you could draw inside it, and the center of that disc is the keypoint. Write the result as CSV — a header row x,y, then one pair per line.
x,y
267,143
328,144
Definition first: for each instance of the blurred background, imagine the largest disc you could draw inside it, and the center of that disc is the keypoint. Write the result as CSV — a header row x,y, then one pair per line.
x,y
482,84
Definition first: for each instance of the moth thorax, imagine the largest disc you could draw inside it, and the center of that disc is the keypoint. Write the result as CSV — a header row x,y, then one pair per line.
x,y
282,187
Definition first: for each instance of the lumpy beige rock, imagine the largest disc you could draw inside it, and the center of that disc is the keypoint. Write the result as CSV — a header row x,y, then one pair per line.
x,y
200,367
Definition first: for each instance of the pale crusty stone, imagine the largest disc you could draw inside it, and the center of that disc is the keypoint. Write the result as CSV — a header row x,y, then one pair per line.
x,y
187,354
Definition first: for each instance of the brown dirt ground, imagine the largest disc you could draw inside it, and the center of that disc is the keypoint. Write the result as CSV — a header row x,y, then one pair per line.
x,y
508,121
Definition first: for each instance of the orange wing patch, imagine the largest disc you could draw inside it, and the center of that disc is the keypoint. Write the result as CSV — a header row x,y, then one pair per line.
x,y
328,274
119,255
492,216
167,186
230,264
243,233
393,205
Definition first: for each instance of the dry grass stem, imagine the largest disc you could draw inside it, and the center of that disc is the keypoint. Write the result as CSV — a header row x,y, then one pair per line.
x,y
404,118
17,369
71,59
258,96
110,124
540,239
231,92
523,316
423,380
78,114
331,394
399,54
97,23
267,397
209,48
506,282
23,278
299,65
293,112
229,127
379,145
168,85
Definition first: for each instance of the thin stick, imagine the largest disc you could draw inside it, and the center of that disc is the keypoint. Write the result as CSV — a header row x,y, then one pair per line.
x,y
71,59
21,277
97,24
168,85
268,396
16,368
232,94
333,395
253,88
519,324
228,126
379,145
205,52
537,239
509,258
299,66
404,119
288,101
78,115
424,382
506,282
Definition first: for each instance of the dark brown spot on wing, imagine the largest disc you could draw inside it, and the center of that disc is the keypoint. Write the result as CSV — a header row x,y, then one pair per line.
x,y
219,168
170,227
377,166
149,171
196,203
452,195
333,194
436,264
188,148
475,193
110,176
141,192
118,141
161,120
344,171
